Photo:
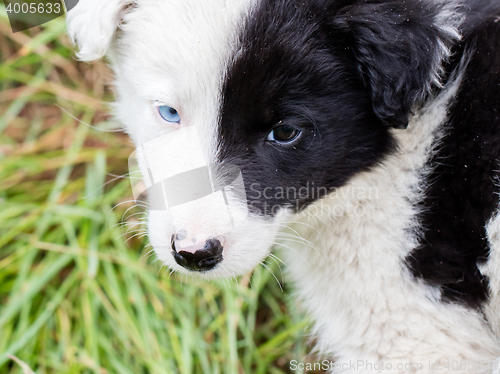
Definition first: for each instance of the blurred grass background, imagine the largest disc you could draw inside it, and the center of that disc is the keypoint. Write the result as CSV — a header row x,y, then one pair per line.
x,y
79,292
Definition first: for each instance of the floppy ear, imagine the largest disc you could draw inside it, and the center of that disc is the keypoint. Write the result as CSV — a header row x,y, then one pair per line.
x,y
92,25
398,51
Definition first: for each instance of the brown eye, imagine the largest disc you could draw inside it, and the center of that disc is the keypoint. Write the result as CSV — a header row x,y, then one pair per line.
x,y
283,134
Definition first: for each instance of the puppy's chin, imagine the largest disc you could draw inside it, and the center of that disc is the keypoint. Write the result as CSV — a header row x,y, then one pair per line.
x,y
244,247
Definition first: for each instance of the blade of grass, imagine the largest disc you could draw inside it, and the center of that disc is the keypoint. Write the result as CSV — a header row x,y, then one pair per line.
x,y
51,306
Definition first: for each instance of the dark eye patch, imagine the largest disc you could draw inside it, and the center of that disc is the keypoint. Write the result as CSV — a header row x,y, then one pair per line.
x,y
294,114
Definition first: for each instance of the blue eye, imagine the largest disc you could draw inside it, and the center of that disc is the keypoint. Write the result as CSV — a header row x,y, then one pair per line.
x,y
169,114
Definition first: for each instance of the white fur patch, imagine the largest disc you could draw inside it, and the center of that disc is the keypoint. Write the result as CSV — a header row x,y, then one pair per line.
x,y
492,270
92,25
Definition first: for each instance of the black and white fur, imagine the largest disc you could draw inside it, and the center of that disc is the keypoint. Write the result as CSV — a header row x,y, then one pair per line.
x,y
398,97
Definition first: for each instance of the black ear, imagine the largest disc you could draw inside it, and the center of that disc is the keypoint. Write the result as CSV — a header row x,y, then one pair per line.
x,y
398,51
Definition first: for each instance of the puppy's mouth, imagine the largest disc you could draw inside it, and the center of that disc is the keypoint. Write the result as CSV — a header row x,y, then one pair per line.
x,y
200,257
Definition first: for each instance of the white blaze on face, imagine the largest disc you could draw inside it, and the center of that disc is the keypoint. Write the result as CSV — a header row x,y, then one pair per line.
x,y
202,200
182,148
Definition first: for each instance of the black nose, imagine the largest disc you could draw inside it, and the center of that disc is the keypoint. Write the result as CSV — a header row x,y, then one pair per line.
x,y
201,260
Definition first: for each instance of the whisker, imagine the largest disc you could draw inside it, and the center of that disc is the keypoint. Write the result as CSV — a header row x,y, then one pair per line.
x,y
87,124
301,223
269,269
274,258
277,258
299,240
294,251
127,233
124,176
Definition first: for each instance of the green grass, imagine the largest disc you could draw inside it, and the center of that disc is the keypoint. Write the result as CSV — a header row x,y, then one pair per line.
x,y
78,291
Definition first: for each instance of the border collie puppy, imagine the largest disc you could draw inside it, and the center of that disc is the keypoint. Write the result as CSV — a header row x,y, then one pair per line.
x,y
361,135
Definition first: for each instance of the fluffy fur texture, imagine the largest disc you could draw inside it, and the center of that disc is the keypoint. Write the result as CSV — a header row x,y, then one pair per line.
x,y
386,196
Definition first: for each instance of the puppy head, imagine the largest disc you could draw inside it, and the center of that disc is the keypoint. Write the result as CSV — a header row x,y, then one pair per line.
x,y
244,112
